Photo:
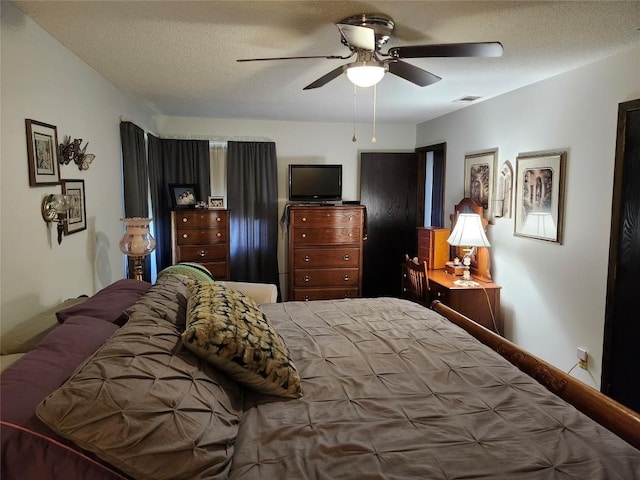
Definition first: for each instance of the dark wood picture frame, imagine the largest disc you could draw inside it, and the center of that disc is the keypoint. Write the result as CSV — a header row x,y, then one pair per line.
x,y
42,153
183,195
77,215
479,179
540,195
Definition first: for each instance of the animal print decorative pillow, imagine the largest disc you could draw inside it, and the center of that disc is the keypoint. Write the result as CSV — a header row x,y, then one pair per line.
x,y
227,329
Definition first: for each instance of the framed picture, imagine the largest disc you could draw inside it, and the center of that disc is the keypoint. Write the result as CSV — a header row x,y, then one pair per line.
x,y
479,170
77,214
42,153
183,195
215,202
540,195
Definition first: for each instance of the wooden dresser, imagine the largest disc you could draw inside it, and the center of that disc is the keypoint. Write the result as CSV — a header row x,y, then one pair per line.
x,y
202,236
325,252
481,303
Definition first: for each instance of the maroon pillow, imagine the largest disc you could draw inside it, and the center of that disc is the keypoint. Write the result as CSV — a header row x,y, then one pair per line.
x,y
30,455
30,450
39,372
109,303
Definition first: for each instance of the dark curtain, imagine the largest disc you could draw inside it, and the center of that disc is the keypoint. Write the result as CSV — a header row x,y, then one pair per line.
x,y
252,195
135,180
174,161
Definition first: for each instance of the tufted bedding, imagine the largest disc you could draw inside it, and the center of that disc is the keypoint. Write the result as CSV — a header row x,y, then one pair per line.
x,y
390,390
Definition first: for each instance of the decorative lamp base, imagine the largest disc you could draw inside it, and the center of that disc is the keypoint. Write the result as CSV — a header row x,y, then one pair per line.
x,y
137,267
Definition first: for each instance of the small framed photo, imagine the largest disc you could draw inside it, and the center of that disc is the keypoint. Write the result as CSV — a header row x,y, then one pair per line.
x,y
540,195
183,195
479,171
42,153
77,214
215,202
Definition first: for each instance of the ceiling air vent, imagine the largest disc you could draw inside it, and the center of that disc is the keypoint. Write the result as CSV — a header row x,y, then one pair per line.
x,y
467,99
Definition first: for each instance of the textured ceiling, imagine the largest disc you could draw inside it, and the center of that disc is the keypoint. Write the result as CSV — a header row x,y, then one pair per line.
x,y
179,57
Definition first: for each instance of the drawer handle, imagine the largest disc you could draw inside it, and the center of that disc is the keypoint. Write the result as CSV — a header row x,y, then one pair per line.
x,y
346,257
185,220
202,253
346,277
438,294
304,235
307,278
185,235
351,234
304,219
218,219
306,258
219,234
350,217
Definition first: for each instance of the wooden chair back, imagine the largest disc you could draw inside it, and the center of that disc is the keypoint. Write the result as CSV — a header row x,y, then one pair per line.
x,y
415,282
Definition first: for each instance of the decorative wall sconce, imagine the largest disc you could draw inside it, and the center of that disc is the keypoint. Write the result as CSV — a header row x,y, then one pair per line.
x,y
54,209
137,242
70,151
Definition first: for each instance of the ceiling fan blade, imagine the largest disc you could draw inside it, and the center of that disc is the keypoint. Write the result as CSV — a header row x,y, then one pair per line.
x,y
329,57
358,37
335,73
412,73
481,49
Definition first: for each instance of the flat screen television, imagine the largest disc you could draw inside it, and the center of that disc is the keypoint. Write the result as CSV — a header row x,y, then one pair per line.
x,y
315,183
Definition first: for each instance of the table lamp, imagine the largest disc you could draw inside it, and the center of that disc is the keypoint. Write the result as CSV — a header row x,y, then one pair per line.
x,y
468,234
137,242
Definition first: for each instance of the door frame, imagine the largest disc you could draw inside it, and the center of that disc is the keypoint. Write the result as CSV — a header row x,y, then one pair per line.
x,y
440,164
616,218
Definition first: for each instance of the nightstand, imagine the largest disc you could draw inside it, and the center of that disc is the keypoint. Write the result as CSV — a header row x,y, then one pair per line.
x,y
481,304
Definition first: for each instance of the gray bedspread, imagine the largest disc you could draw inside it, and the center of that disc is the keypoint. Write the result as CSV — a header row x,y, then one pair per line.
x,y
394,391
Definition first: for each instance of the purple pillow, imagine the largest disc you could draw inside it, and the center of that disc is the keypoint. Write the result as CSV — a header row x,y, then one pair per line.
x,y
109,303
39,372
30,455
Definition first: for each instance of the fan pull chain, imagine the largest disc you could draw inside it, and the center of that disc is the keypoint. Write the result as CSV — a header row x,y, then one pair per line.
x,y
355,104
373,139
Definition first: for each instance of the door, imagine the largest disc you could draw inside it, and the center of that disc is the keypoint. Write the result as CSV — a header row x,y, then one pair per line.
x,y
621,369
389,191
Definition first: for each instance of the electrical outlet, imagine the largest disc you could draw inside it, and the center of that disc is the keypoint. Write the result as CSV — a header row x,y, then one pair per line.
x,y
583,357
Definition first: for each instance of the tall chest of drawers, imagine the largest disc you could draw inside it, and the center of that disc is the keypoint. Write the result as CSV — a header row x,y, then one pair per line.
x,y
202,236
325,252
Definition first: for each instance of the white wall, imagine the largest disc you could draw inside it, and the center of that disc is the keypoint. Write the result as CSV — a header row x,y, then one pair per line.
x,y
553,296
301,142
43,81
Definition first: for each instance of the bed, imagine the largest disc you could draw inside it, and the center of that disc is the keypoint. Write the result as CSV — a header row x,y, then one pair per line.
x,y
358,389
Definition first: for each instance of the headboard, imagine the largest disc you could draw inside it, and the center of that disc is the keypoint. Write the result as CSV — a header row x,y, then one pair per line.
x,y
480,260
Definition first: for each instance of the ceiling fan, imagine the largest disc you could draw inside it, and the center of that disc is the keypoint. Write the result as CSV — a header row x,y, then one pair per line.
x,y
365,35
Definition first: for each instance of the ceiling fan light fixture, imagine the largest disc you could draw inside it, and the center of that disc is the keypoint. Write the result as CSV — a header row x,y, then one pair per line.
x,y
364,74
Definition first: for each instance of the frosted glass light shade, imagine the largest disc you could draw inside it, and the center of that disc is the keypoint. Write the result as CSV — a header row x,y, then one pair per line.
x,y
468,232
365,75
137,240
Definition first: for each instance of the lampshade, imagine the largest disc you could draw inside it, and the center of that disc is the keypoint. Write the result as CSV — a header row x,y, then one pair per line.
x,y
468,232
540,224
365,74
137,240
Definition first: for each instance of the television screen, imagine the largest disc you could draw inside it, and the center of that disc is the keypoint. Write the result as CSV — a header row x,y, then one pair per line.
x,y
315,182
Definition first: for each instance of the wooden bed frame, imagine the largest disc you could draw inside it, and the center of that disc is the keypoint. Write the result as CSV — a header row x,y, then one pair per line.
x,y
612,415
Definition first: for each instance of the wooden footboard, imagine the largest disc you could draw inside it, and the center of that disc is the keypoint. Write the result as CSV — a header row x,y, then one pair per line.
x,y
614,416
